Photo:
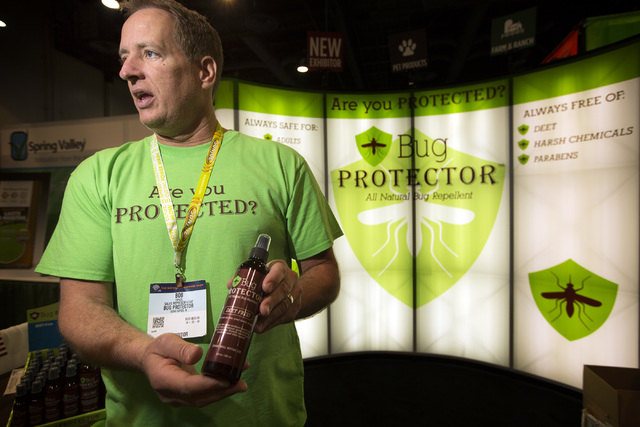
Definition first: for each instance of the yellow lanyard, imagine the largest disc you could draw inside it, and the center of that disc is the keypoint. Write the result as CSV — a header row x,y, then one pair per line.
x,y
180,243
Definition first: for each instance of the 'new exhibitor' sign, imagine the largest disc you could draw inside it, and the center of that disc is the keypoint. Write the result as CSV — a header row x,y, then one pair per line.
x,y
324,51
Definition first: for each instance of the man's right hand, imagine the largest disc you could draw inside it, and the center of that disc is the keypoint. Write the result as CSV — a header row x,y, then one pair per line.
x,y
168,363
99,335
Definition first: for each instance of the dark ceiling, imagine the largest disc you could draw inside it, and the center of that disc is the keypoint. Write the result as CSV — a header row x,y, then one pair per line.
x,y
265,40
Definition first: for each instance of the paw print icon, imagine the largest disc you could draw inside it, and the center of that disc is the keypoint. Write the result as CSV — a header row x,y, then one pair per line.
x,y
408,47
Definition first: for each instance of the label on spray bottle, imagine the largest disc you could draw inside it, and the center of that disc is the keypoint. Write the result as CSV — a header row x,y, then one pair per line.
x,y
238,318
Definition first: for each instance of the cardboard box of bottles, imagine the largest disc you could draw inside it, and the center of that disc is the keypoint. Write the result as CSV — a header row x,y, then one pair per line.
x,y
611,395
82,419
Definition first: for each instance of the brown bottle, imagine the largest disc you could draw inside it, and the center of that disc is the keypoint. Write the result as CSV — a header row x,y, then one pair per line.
x,y
20,416
232,337
36,405
89,379
71,392
52,395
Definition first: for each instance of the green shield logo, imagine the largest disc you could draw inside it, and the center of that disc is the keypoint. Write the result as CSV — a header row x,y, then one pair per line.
x,y
523,159
236,281
523,129
523,144
575,301
457,197
374,145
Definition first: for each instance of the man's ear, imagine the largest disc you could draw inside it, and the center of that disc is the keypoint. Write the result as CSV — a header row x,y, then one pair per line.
x,y
208,72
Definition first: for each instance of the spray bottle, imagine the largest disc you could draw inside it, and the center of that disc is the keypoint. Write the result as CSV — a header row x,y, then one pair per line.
x,y
230,343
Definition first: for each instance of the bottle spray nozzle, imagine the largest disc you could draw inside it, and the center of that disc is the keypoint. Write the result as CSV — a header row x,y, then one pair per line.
x,y
261,249
263,242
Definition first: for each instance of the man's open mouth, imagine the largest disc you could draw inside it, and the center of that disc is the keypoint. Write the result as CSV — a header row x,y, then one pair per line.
x,y
142,98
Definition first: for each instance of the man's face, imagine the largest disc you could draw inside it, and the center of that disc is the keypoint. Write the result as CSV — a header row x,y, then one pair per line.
x,y
165,87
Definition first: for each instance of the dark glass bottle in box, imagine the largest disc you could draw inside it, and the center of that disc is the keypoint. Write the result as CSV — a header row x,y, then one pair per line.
x,y
52,395
89,379
36,403
71,392
20,416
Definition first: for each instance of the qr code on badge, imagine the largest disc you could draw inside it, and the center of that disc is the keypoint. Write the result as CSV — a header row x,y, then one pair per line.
x,y
158,322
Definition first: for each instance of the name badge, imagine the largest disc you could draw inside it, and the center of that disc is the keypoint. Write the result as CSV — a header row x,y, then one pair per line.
x,y
182,311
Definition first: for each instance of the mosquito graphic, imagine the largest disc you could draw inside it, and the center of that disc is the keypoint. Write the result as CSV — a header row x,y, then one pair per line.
x,y
570,296
373,144
428,213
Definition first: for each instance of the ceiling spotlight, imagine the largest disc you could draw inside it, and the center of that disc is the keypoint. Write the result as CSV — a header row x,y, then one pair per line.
x,y
2,24
302,65
111,4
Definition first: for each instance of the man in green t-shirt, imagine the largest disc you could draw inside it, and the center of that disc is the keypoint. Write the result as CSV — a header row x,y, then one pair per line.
x,y
117,237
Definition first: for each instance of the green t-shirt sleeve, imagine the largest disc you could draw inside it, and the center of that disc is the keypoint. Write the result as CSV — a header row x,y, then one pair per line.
x,y
80,247
310,221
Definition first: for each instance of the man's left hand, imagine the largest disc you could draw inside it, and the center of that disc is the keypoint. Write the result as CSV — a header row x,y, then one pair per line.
x,y
283,297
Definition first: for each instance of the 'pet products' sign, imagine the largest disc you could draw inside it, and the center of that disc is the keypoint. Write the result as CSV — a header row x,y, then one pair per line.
x,y
408,51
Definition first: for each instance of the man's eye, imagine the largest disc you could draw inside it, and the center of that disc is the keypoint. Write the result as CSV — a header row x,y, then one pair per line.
x,y
151,54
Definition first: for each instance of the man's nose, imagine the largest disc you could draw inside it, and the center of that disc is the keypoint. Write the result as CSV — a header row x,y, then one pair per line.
x,y
129,70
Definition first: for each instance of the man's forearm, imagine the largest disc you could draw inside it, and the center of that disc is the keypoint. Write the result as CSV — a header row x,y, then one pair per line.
x,y
94,330
320,281
100,336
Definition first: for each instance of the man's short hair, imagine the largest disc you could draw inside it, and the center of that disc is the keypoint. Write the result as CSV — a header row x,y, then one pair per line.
x,y
193,33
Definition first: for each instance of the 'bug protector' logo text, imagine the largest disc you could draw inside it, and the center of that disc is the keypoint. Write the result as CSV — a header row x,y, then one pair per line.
x,y
456,195
575,301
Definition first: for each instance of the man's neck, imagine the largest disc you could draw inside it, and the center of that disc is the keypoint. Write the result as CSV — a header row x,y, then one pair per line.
x,y
200,134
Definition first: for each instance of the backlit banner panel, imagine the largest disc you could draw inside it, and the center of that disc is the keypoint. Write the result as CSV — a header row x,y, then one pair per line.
x,y
576,188
462,222
224,104
294,119
371,198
